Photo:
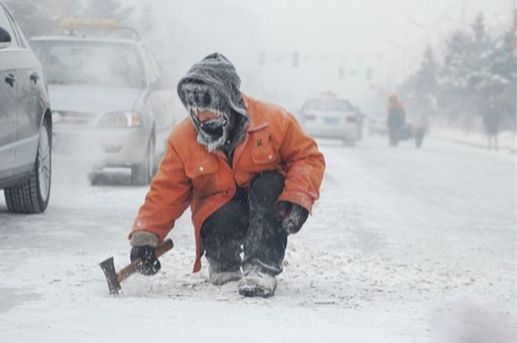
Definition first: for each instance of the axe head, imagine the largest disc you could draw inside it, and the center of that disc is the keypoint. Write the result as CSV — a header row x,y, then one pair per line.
x,y
108,267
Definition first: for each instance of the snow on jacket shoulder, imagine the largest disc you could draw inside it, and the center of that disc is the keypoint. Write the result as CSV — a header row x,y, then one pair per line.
x,y
191,176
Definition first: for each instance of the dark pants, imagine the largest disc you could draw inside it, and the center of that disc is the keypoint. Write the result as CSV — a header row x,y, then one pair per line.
x,y
247,221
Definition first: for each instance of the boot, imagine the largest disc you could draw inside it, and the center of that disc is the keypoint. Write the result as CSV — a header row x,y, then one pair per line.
x,y
256,283
219,278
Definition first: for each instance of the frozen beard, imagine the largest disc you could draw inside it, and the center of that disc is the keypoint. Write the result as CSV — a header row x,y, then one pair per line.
x,y
213,133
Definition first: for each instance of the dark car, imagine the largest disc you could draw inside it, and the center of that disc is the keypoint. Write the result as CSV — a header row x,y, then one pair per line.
x,y
25,123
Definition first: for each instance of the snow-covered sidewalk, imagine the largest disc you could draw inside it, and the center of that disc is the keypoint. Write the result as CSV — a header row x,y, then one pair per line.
x,y
507,140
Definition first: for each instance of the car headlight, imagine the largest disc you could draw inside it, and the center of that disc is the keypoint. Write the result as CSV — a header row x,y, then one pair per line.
x,y
121,119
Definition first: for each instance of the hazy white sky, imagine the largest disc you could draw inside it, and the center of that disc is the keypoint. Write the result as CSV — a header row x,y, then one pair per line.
x,y
386,35
358,26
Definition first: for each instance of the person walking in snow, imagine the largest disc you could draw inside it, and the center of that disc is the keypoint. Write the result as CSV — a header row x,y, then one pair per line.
x,y
491,121
396,119
419,127
247,170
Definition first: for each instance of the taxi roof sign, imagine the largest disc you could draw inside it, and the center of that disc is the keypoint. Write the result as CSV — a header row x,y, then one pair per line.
x,y
73,24
329,94
87,24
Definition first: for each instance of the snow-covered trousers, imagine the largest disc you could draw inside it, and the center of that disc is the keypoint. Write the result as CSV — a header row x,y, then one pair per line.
x,y
247,221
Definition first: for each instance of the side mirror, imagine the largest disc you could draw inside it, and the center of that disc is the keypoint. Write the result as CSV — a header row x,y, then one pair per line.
x,y
5,39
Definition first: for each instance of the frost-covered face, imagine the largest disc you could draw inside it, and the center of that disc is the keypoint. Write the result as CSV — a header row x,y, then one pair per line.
x,y
210,113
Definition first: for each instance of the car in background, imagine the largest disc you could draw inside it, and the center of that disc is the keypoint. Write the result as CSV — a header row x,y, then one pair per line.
x,y
109,99
360,121
25,123
330,117
377,125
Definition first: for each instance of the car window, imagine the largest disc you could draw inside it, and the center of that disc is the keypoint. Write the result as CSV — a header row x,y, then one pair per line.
x,y
6,24
91,63
156,68
22,42
151,71
327,105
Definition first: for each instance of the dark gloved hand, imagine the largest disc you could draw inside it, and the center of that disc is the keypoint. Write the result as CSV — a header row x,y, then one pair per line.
x,y
150,265
292,216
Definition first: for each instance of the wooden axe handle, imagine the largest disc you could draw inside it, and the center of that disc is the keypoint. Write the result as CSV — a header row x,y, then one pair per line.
x,y
134,266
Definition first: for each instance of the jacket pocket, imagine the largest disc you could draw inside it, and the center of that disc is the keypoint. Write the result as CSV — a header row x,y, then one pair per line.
x,y
204,177
264,155
201,168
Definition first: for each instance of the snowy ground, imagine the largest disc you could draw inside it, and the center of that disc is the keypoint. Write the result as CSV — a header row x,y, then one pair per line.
x,y
397,233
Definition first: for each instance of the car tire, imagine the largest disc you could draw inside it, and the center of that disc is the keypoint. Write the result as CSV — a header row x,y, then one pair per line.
x,y
143,173
33,196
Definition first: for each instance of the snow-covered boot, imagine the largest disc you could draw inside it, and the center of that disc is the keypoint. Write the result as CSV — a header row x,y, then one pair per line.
x,y
219,278
256,283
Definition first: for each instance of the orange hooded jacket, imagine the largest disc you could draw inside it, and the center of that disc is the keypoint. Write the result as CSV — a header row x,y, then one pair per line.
x,y
190,175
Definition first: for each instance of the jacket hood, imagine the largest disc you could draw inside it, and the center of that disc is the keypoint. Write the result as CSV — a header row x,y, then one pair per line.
x,y
218,72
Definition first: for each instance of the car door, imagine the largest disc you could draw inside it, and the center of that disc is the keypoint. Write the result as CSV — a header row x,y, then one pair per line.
x,y
8,110
160,100
31,100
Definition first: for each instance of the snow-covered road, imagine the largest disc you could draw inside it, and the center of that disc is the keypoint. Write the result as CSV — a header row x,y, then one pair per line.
x,y
397,233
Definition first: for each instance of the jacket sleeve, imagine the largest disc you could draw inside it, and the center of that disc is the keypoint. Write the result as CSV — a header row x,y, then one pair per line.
x,y
305,166
167,199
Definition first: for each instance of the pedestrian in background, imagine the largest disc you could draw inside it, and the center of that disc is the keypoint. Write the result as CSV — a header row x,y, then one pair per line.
x,y
419,127
396,119
492,120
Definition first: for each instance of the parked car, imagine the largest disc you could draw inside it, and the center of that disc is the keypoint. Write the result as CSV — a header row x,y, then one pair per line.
x,y
109,100
377,125
25,123
360,122
330,117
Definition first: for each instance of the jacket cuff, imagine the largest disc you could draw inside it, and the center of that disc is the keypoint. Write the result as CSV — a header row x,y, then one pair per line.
x,y
141,238
297,198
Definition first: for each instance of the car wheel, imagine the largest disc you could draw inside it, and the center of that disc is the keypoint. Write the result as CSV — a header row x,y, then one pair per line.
x,y
142,174
33,196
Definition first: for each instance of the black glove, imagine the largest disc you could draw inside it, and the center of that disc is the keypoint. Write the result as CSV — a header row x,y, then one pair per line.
x,y
150,265
292,216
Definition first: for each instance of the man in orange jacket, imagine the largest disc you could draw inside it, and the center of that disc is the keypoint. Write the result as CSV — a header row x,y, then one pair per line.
x,y
246,169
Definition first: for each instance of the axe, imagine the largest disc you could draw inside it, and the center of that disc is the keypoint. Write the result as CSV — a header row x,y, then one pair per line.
x,y
114,279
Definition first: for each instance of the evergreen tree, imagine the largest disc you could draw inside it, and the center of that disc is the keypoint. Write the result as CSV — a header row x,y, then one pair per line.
x,y
465,73
427,82
501,81
420,91
478,64
479,29
478,75
454,76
